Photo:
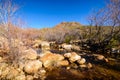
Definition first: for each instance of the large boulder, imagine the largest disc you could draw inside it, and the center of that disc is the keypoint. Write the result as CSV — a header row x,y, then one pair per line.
x,y
63,63
72,56
29,54
32,66
50,60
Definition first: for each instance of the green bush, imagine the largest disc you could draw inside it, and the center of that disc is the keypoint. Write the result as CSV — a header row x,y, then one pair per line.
x,y
68,39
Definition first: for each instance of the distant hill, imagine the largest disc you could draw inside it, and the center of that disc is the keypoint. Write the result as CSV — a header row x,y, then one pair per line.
x,y
69,25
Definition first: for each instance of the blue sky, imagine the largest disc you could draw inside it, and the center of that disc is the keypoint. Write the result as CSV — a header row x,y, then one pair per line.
x,y
48,13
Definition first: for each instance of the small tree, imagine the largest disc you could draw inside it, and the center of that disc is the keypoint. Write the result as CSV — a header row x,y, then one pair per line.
x,y
8,13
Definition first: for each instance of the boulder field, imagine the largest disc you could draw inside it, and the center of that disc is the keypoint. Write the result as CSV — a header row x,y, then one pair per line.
x,y
33,65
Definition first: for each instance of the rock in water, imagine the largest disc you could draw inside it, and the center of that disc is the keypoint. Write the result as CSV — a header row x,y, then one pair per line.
x,y
106,60
89,65
81,61
99,57
74,57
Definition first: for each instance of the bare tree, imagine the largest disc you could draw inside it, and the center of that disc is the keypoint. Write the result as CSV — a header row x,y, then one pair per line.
x,y
8,13
109,17
7,16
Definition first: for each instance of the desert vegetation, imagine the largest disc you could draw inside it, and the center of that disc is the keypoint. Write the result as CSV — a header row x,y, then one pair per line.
x,y
68,50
